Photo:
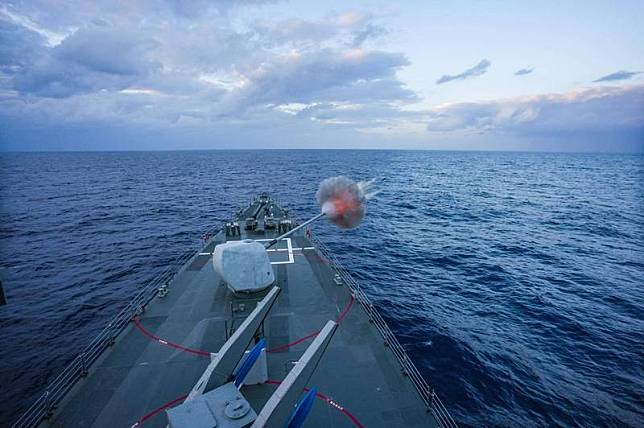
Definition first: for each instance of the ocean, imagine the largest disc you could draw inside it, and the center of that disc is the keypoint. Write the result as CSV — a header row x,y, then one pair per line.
x,y
515,281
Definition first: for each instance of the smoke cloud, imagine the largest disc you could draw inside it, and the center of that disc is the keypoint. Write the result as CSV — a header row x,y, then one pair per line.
x,y
343,200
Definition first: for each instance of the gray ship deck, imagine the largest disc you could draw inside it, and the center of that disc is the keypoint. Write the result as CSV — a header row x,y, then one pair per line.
x,y
138,373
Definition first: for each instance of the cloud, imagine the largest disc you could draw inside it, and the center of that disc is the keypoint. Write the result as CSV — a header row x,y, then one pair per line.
x,y
19,46
524,71
295,31
193,8
462,116
351,75
191,67
170,53
352,29
91,59
599,110
477,70
213,74
361,116
117,51
618,75
52,38
370,31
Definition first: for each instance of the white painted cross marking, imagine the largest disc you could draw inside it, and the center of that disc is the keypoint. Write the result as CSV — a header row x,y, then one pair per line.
x,y
288,248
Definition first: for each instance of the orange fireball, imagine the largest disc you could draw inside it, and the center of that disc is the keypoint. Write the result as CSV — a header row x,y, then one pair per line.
x,y
342,200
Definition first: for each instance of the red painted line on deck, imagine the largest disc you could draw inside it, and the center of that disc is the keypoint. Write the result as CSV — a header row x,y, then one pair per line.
x,y
142,329
339,320
330,402
164,342
158,410
319,395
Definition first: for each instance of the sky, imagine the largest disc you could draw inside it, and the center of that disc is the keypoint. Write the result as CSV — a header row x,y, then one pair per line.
x,y
224,74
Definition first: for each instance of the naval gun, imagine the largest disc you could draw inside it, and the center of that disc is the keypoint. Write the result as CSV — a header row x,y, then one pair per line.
x,y
245,266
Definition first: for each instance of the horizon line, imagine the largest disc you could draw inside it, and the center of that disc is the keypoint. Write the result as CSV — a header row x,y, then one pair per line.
x,y
635,152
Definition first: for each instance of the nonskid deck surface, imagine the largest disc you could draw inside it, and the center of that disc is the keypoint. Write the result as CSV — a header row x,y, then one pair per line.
x,y
160,358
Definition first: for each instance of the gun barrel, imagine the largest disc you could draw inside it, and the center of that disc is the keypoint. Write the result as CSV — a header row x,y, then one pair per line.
x,y
274,241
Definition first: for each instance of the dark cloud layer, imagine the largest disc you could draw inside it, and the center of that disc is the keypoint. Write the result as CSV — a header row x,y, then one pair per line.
x,y
479,69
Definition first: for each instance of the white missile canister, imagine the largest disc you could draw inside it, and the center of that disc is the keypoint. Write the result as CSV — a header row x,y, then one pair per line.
x,y
243,265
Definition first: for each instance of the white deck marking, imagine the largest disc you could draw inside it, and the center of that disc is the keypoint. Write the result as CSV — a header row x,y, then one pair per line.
x,y
294,249
289,249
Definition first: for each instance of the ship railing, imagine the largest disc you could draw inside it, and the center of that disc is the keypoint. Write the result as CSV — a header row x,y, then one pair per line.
x,y
44,405
409,369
